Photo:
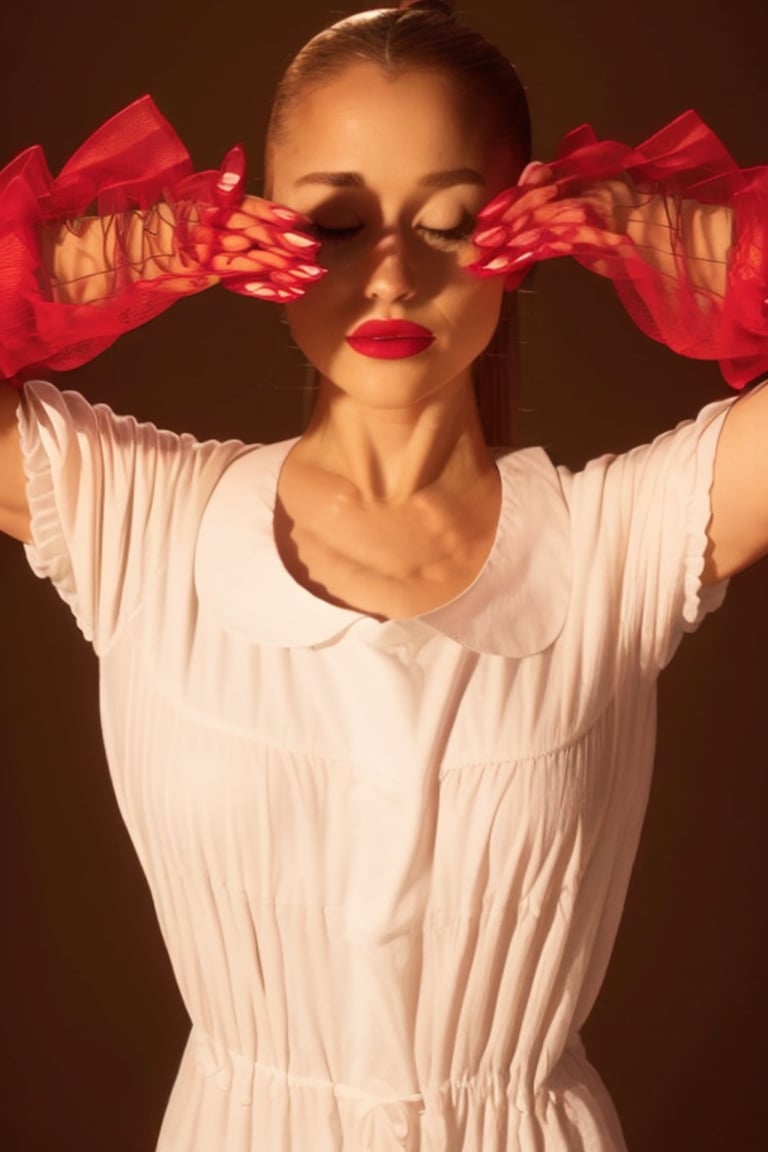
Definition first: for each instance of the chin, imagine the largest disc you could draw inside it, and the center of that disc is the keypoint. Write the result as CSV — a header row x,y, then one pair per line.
x,y
395,384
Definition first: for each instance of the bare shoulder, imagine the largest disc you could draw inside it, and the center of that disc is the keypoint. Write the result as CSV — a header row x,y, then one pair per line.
x,y
14,510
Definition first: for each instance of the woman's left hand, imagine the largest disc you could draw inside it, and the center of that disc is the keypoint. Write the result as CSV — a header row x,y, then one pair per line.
x,y
540,218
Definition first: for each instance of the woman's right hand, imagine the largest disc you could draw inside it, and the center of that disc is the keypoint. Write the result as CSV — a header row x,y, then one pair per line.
x,y
254,247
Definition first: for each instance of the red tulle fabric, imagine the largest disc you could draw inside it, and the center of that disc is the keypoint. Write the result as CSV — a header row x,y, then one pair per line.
x,y
686,161
134,160
660,272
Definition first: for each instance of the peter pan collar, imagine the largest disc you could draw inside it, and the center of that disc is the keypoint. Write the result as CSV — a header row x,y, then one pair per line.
x,y
515,607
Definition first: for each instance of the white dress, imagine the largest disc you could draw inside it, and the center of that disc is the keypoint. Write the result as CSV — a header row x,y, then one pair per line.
x,y
388,859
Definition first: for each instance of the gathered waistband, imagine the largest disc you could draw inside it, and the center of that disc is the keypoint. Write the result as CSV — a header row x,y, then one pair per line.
x,y
234,1072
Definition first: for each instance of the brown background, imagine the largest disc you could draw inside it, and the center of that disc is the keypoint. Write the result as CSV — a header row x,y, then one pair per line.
x,y
92,1026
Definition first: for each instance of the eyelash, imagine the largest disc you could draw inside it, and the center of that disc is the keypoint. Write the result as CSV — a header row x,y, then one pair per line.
x,y
446,235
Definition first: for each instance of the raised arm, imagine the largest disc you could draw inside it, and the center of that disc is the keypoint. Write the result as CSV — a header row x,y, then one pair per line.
x,y
677,226
179,246
73,279
683,234
124,230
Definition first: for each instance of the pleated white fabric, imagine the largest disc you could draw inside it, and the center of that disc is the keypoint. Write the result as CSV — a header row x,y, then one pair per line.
x,y
388,858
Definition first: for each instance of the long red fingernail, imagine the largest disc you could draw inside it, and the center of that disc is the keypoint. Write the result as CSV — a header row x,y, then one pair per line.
x,y
308,271
299,240
231,175
286,214
529,171
490,237
480,270
500,205
503,263
263,291
499,264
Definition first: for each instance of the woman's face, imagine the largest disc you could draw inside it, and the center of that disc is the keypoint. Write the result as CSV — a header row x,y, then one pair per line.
x,y
392,172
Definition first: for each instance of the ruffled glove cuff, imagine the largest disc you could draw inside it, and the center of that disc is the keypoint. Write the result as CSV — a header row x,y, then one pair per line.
x,y
133,181
674,222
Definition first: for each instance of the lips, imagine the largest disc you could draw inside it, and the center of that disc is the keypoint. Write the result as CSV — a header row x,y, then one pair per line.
x,y
390,339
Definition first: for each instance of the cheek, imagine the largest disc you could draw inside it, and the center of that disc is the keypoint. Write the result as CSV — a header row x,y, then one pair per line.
x,y
477,314
302,321
317,321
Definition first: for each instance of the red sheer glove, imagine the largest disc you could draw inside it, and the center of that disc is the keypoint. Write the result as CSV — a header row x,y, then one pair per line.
x,y
254,247
677,226
72,283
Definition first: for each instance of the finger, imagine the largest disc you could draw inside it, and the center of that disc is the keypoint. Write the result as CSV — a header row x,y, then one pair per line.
x,y
282,216
501,235
516,202
285,239
535,174
496,208
264,290
299,241
231,181
257,208
259,222
301,273
494,237
257,289
530,201
293,242
575,235
268,266
502,264
249,263
289,245
239,220
545,220
279,214
254,213
241,241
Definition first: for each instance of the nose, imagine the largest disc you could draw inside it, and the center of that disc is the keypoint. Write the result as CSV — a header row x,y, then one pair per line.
x,y
391,276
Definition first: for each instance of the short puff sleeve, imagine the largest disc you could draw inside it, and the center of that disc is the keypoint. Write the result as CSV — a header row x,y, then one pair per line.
x,y
639,528
110,499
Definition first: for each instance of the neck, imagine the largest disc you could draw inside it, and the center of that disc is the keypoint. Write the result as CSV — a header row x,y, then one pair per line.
x,y
392,454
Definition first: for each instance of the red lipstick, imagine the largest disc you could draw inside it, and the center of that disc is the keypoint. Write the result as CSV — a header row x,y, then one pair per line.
x,y
390,339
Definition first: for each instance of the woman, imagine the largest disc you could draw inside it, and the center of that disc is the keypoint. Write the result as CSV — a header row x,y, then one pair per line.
x,y
379,707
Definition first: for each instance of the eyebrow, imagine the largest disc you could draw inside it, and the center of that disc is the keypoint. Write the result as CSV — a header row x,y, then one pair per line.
x,y
446,179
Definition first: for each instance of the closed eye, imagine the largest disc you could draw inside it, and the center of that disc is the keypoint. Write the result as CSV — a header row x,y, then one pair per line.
x,y
451,235
456,235
327,234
